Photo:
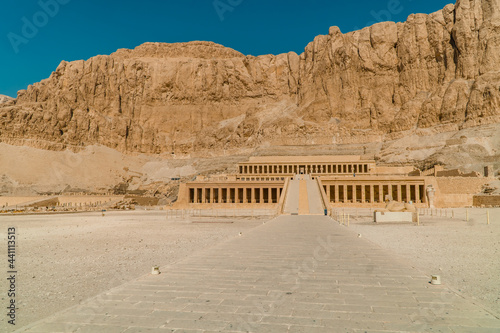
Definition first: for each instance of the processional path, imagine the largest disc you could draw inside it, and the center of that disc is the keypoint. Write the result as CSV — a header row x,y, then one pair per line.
x,y
303,197
292,274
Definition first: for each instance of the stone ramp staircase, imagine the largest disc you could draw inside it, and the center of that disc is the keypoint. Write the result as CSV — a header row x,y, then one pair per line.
x,y
292,198
316,206
303,197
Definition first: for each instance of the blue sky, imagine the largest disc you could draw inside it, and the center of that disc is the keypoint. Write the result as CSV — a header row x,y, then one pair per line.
x,y
36,35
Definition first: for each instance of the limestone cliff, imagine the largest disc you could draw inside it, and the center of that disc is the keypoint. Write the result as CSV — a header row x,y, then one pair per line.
x,y
432,73
5,99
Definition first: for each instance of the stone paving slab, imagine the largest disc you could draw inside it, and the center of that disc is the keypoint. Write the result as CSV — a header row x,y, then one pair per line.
x,y
292,274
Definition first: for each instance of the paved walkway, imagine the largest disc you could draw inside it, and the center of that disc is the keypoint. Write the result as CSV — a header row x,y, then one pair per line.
x,y
292,197
292,274
303,198
314,198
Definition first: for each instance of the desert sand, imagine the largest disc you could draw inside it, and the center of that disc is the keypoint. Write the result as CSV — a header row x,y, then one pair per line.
x,y
66,258
465,254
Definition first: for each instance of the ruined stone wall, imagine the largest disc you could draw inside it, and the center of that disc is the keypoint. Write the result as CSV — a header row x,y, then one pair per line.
x,y
486,200
454,192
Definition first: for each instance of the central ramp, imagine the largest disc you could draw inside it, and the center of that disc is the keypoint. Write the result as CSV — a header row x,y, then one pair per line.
x,y
303,197
293,274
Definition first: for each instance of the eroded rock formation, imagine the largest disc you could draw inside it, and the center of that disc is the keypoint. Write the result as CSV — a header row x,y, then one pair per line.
x,y
5,99
432,73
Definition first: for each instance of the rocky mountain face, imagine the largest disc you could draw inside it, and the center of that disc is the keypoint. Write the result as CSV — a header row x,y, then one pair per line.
x,y
5,99
433,73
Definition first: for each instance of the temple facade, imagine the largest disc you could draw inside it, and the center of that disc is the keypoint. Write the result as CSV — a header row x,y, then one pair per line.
x,y
263,182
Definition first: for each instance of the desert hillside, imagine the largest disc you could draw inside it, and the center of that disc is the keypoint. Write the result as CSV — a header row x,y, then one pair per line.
x,y
97,169
385,90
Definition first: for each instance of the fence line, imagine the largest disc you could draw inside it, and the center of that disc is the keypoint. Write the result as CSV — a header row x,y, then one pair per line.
x,y
188,213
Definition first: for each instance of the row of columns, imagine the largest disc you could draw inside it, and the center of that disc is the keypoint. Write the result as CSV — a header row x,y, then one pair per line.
x,y
374,193
235,195
263,179
306,168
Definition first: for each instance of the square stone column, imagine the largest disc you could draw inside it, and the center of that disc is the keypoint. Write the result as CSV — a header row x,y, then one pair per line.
x,y
372,194
408,193
363,194
210,195
195,199
381,193
253,195
400,196
328,193
417,193
345,193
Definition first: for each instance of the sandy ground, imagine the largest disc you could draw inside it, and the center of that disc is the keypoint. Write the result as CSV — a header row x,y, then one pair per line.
x,y
28,171
465,254
66,258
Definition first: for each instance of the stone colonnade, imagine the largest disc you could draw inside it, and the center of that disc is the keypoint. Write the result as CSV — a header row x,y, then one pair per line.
x,y
259,194
307,168
366,192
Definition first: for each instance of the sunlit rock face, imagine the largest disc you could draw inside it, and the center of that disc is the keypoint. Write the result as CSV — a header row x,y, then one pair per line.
x,y
432,73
